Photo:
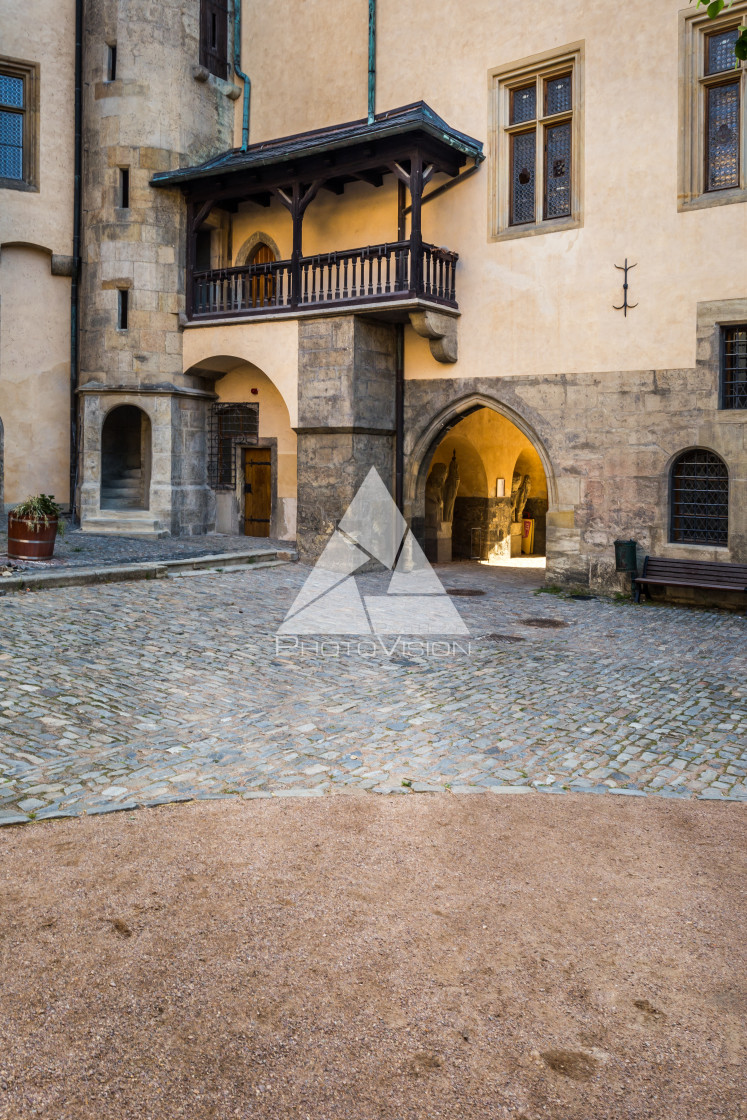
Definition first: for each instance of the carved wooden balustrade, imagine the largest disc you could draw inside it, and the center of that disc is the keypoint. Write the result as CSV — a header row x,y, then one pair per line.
x,y
371,275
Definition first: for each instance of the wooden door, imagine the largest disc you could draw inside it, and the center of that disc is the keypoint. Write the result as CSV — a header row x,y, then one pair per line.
x,y
262,286
257,491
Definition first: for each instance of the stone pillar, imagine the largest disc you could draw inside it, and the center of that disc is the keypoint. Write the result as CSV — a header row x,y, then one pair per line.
x,y
346,400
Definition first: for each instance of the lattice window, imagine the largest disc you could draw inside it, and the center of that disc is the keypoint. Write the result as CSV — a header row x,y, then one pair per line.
x,y
214,37
700,498
531,201
17,123
537,113
734,367
231,425
713,88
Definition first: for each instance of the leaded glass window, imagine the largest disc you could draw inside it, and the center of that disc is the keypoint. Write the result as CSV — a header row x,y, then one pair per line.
x,y
558,171
12,113
720,51
540,126
722,94
523,174
524,104
734,367
558,95
722,136
700,498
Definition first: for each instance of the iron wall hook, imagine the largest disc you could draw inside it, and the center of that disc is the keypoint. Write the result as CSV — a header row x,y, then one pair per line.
x,y
625,305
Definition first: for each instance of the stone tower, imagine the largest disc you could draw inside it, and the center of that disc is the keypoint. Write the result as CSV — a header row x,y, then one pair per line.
x,y
148,106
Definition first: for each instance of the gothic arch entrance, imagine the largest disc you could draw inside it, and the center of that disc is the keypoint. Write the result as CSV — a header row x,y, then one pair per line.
x,y
480,468
125,459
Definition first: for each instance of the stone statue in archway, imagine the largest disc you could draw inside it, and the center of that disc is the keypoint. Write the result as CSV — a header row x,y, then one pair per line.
x,y
434,495
520,487
451,485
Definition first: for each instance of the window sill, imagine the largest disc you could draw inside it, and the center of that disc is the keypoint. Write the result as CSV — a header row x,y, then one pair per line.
x,y
18,185
556,225
713,198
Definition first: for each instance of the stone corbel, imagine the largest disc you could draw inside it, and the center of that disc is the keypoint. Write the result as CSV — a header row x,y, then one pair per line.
x,y
441,332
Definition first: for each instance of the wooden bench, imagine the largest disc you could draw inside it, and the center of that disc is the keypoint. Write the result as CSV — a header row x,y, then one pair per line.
x,y
689,573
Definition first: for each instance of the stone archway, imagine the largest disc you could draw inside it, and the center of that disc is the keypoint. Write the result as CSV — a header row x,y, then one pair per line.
x,y
480,425
125,458
250,246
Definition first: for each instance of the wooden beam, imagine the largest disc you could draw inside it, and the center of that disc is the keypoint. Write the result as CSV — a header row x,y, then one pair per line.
x,y
202,214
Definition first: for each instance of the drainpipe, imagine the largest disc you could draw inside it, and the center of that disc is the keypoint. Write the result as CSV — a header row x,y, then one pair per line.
x,y
371,60
399,422
75,280
240,73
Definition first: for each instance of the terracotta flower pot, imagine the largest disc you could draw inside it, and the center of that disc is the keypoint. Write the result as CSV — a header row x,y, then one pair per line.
x,y
28,543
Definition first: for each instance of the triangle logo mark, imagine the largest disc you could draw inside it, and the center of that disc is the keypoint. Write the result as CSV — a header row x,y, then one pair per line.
x,y
373,528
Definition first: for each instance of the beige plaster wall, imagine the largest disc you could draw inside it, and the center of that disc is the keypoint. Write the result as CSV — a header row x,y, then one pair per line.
x,y
269,346
34,375
536,305
488,447
34,305
274,421
43,32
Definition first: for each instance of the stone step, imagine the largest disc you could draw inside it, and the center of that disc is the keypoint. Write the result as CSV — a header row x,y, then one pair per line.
x,y
129,484
121,522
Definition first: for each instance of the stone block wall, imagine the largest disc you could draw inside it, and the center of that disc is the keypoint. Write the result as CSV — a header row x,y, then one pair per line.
x,y
346,381
610,440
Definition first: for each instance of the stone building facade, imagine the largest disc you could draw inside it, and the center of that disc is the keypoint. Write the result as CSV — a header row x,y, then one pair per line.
x,y
347,276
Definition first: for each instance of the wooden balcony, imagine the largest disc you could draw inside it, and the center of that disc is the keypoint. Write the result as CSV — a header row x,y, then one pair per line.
x,y
374,275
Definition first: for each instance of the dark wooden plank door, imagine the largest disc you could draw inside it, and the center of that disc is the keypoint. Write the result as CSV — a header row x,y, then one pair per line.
x,y
257,491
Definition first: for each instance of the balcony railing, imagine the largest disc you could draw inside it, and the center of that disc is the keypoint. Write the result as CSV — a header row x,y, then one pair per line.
x,y
372,275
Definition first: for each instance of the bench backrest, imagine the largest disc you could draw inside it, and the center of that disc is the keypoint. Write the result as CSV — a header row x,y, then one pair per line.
x,y
700,571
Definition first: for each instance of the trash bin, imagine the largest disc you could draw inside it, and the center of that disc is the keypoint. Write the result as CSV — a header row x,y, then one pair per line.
x,y
625,556
527,536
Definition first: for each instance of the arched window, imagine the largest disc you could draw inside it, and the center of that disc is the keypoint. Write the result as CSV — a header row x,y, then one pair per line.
x,y
700,498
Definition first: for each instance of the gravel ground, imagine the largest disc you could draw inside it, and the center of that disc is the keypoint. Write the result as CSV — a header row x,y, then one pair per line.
x,y
482,956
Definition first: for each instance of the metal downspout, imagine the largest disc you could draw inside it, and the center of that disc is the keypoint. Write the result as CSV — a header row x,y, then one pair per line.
x,y
75,279
240,73
371,60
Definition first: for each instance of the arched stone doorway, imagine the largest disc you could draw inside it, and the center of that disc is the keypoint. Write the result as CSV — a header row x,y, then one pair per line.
x,y
126,459
504,481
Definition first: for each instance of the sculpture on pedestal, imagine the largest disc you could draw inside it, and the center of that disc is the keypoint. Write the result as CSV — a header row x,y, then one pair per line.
x,y
440,494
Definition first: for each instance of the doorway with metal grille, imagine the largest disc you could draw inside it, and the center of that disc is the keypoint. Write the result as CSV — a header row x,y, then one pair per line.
x,y
257,491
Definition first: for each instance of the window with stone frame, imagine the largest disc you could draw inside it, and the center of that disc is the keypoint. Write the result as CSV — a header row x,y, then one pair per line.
x,y
537,141
18,124
214,37
713,144
700,498
734,366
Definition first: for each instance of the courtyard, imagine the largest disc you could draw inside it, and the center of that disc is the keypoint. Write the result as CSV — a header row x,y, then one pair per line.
x,y
119,696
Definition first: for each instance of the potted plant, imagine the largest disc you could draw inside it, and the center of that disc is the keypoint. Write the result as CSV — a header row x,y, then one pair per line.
x,y
32,528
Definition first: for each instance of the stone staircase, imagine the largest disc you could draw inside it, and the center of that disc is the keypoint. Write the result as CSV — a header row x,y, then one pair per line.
x,y
124,491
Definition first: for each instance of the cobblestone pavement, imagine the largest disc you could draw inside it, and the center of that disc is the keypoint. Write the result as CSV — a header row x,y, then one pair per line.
x,y
134,694
88,550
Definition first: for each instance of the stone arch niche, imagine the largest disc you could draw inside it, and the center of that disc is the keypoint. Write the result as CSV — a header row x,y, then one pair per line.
x,y
479,428
126,457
